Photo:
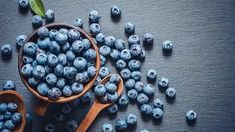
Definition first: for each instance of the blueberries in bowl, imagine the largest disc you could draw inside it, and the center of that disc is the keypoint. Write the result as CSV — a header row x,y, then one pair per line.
x,y
60,65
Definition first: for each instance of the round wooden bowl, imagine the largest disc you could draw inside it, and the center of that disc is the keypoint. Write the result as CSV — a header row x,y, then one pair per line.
x,y
12,96
33,38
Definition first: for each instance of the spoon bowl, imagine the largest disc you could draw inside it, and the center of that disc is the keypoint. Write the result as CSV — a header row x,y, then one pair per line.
x,y
13,96
97,106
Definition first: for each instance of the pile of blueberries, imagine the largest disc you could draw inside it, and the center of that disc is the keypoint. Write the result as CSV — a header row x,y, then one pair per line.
x,y
9,117
59,63
108,92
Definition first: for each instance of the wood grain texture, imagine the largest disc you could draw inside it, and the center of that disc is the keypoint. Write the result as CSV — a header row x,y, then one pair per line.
x,y
201,67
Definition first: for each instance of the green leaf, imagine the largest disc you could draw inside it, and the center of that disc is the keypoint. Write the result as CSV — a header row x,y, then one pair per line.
x,y
37,7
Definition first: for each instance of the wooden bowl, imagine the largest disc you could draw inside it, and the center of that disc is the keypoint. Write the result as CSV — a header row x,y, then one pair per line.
x,y
33,38
12,96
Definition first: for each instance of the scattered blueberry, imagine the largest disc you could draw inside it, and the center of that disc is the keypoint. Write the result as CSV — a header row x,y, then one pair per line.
x,y
170,92
167,46
123,100
113,109
6,50
142,98
94,16
125,55
120,44
132,94
151,75
100,90
37,21
136,75
131,119
8,85
130,28
49,128
71,126
148,39
104,50
115,11
149,89
130,83
133,39
121,124
163,83
125,73
50,16
95,28
120,64
107,127
146,109
100,38
110,41
78,22
23,4
20,39
134,65
157,113
157,103
191,115
139,86
104,71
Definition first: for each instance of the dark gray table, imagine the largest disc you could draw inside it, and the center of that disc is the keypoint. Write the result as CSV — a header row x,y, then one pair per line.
x,y
201,67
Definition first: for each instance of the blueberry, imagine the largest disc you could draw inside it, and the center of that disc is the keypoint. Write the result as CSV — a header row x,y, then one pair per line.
x,y
20,39
80,63
149,89
103,99
48,69
136,50
142,98
61,38
125,73
52,34
146,109
142,55
163,83
59,117
42,89
157,103
33,81
8,85
54,48
80,77
97,81
94,16
95,28
113,109
112,96
50,16
34,63
60,82
7,115
167,46
130,28
157,113
130,83
67,91
51,79
41,59
27,60
75,103
110,41
16,118
66,108
107,127
23,4
12,107
78,23
120,44
52,60
77,88
73,34
148,39
59,70
104,50
43,43
191,115
91,71
136,75
86,77
132,94
62,59
100,90
104,71
49,128
131,119
170,92
9,124
1,126
77,46
133,39
115,54
30,49
6,50
100,38
110,87
123,100
115,11
90,54
43,32
70,56
86,97
71,126
114,78
37,21
151,75
65,47
120,64
64,31
38,72
134,65
26,70
54,93
121,124
86,43
3,108
125,55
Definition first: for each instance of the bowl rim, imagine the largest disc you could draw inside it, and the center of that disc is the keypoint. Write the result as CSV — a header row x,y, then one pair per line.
x,y
21,126
87,86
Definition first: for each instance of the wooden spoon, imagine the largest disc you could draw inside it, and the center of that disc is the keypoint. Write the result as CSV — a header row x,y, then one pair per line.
x,y
97,107
13,96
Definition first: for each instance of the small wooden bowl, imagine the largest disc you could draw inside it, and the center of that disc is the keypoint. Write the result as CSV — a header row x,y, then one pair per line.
x,y
12,96
33,38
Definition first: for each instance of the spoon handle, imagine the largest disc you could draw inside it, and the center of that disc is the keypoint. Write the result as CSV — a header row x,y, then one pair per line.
x,y
89,118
